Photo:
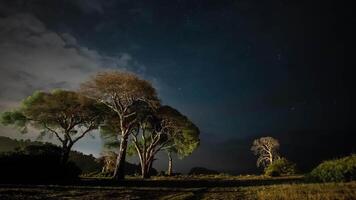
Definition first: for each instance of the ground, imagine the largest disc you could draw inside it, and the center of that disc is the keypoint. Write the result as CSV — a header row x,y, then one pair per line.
x,y
186,187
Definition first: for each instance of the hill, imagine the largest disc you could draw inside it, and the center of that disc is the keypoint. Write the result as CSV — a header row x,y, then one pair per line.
x,y
87,163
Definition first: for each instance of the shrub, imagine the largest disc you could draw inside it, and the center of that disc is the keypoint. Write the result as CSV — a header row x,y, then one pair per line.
x,y
338,170
36,164
280,167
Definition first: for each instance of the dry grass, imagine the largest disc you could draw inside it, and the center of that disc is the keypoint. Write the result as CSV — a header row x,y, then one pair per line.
x,y
326,191
173,190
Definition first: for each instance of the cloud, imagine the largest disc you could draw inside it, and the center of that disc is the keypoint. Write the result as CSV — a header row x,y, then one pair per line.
x,y
33,57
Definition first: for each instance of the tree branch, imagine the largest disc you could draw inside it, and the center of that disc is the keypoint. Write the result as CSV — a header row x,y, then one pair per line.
x,y
53,131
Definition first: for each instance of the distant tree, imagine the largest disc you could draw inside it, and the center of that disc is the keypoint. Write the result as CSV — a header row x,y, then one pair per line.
x,y
67,115
266,148
108,158
119,91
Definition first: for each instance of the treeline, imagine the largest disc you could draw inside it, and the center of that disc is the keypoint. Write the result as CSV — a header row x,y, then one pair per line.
x,y
86,163
125,108
37,162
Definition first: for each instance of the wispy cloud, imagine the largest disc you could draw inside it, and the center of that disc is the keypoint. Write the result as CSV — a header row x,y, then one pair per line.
x,y
33,57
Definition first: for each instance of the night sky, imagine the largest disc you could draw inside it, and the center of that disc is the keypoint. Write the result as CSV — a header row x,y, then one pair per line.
x,y
239,69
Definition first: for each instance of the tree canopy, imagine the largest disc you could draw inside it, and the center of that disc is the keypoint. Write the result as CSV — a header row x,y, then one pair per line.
x,y
120,91
67,115
266,148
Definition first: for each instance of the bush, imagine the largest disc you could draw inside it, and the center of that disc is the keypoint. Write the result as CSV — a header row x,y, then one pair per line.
x,y
338,170
36,164
281,167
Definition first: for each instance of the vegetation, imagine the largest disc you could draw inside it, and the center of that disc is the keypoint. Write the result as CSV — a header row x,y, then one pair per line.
x,y
36,163
343,169
280,167
86,163
65,114
184,136
197,187
132,120
119,91
144,126
202,171
328,191
266,148
123,105
164,129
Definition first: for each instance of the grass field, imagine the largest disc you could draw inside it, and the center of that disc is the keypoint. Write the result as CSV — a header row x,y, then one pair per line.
x,y
184,187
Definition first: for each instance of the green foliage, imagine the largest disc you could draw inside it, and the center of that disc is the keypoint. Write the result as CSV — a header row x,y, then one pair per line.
x,y
188,141
280,167
186,137
55,110
338,170
65,114
15,118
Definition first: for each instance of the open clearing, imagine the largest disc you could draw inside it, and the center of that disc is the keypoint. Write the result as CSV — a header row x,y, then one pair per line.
x,y
241,187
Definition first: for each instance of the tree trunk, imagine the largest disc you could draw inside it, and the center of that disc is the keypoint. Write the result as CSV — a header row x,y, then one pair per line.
x,y
65,155
119,173
65,152
270,158
170,164
145,171
146,168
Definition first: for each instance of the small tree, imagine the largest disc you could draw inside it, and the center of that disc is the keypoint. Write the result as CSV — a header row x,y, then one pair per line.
x,y
266,148
119,91
108,159
65,114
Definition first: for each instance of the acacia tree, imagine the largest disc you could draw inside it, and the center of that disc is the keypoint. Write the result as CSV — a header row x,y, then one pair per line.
x,y
183,144
186,137
266,148
163,129
119,91
67,115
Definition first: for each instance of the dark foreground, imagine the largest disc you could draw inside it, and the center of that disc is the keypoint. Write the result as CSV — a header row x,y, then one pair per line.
x,y
246,187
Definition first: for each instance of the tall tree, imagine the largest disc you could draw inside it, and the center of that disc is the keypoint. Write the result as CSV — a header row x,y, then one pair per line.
x,y
67,115
163,129
183,144
266,148
119,91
